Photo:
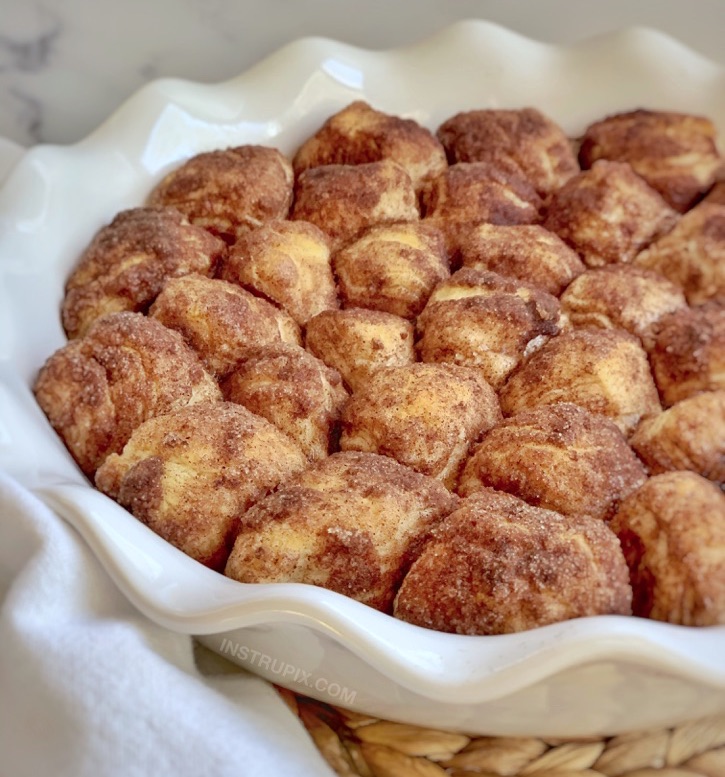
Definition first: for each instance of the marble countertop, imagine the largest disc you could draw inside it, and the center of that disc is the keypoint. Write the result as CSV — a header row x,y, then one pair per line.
x,y
67,64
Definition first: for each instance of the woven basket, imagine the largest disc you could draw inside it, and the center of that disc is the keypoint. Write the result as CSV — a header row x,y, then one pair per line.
x,y
355,744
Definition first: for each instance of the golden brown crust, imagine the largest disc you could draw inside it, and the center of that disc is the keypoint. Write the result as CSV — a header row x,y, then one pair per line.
x,y
561,457
295,391
352,523
128,368
480,319
128,260
675,153
343,200
525,251
717,193
220,320
392,268
288,263
621,296
524,137
690,435
608,214
229,191
689,352
359,134
692,255
603,370
425,416
672,532
189,475
356,342
497,565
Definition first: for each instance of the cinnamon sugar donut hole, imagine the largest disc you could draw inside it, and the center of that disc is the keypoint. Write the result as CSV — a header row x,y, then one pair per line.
x,y
352,523
229,191
359,133
604,370
525,251
128,260
220,320
498,565
343,200
126,369
561,457
690,435
189,475
676,153
295,391
357,342
672,532
608,214
392,268
425,416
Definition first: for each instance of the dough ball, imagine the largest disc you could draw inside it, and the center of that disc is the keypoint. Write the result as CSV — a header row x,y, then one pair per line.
x,y
690,435
561,457
287,262
359,134
126,369
672,532
608,214
497,565
392,268
423,415
189,475
621,296
524,138
692,255
220,320
526,251
675,153
128,260
294,390
481,319
689,352
604,370
352,523
343,200
357,342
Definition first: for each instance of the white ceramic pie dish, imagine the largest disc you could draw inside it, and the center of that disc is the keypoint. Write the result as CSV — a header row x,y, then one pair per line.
x,y
591,676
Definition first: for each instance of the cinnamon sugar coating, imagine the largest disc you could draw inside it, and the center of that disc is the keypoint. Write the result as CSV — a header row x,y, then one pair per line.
x,y
481,319
359,134
717,193
287,262
498,565
604,370
352,523
295,391
357,342
220,320
690,435
561,457
425,416
672,532
608,214
127,261
524,138
526,251
189,475
675,153
621,296
343,200
127,368
392,268
229,191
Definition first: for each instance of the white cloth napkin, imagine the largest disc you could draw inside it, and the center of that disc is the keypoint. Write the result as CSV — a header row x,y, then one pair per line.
x,y
89,686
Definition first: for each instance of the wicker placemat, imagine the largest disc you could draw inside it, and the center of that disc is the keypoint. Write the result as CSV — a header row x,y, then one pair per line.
x,y
355,745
